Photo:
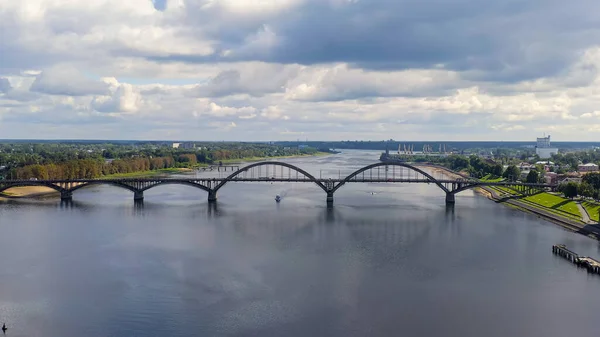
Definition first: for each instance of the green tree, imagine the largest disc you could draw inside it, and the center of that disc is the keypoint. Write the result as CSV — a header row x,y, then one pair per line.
x,y
512,173
533,177
585,190
570,189
592,178
498,169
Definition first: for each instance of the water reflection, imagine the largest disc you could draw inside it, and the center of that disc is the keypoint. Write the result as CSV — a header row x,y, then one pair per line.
x,y
138,206
450,216
212,209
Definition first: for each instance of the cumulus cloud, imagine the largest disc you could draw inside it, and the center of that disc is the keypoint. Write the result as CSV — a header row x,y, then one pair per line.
x,y
67,80
334,69
124,98
254,79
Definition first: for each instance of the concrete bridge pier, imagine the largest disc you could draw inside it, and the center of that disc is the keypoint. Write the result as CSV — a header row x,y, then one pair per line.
x,y
212,196
66,195
138,195
329,198
450,198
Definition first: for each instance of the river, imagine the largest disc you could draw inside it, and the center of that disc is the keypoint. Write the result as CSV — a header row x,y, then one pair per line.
x,y
393,262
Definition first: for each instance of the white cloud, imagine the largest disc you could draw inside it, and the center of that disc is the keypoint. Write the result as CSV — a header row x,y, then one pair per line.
x,y
67,80
124,98
277,69
588,115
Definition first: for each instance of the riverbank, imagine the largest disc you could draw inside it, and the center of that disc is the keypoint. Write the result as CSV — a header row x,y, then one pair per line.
x,y
591,230
578,221
257,159
27,192
441,170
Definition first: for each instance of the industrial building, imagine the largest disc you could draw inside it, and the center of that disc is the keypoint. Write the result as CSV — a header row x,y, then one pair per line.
x,y
543,148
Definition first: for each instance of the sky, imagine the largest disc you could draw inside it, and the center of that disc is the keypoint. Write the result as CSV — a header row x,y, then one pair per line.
x,y
260,70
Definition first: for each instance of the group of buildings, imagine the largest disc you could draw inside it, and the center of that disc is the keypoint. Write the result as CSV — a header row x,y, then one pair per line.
x,y
545,150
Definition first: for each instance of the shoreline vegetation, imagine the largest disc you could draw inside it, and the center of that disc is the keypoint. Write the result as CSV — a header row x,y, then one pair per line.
x,y
582,218
42,191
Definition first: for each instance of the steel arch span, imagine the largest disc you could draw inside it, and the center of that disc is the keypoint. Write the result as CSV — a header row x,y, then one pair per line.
x,y
180,182
4,187
413,168
232,176
101,182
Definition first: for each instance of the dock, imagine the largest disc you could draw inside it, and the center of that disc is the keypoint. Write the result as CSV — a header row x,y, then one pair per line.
x,y
592,265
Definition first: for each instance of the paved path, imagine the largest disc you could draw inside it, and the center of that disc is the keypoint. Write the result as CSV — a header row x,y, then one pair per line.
x,y
584,214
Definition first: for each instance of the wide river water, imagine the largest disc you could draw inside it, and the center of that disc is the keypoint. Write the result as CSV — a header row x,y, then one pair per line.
x,y
395,262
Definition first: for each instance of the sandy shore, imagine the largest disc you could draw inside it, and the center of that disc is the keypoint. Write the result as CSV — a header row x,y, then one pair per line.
x,y
446,172
27,191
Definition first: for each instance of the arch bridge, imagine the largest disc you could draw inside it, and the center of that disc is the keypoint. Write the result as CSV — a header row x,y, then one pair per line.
x,y
274,171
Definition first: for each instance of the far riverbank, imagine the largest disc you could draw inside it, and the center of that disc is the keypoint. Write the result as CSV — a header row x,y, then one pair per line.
x,y
257,159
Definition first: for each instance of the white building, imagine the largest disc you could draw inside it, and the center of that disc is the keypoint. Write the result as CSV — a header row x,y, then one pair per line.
x,y
186,145
543,142
543,148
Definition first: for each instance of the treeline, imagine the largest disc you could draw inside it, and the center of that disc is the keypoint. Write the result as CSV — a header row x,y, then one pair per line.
x,y
573,159
94,168
18,155
90,168
588,188
474,165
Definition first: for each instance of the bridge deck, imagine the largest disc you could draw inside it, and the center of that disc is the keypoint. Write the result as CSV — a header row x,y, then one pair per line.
x,y
277,179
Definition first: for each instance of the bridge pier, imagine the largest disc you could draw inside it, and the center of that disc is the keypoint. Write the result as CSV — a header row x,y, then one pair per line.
x,y
329,198
212,196
138,195
66,195
450,198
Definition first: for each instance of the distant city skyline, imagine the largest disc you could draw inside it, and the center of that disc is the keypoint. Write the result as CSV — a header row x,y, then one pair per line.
x,y
328,70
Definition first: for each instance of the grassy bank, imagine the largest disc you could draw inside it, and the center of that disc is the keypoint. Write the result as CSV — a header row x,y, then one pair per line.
x,y
492,179
548,202
554,202
593,208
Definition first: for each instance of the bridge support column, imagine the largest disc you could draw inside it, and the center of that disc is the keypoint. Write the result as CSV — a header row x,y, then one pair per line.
x,y
66,195
212,196
138,195
449,198
329,198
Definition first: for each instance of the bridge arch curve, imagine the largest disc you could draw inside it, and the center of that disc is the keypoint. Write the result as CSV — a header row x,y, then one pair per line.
x,y
187,183
232,176
101,182
411,167
30,183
